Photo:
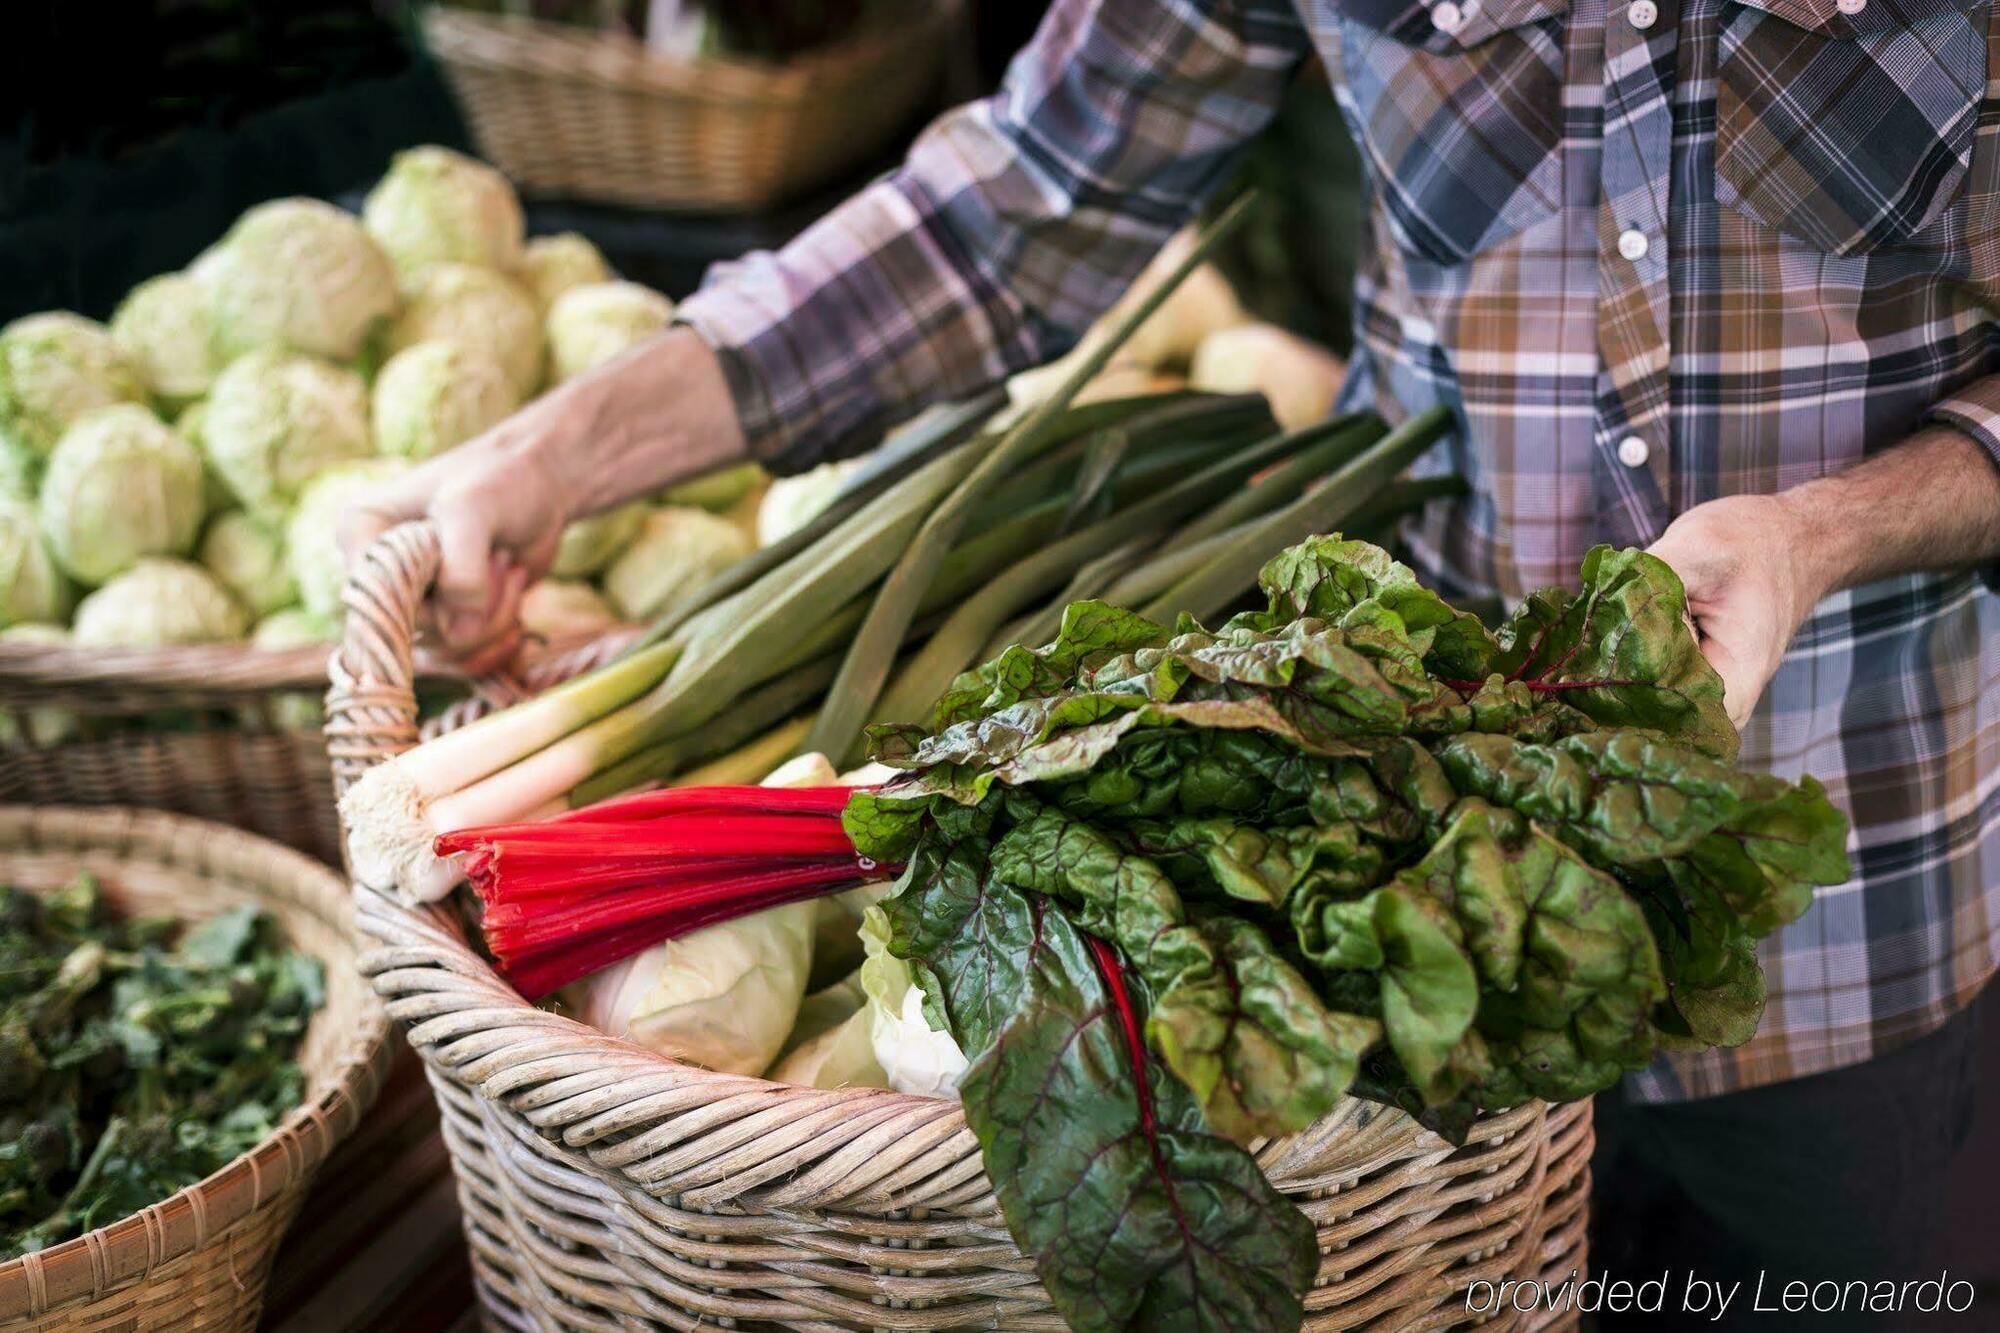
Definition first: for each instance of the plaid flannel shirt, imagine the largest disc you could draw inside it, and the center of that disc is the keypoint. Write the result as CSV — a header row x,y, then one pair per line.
x,y
1650,255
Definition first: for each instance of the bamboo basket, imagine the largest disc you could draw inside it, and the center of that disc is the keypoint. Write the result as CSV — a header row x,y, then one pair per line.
x,y
605,1186
590,115
198,1260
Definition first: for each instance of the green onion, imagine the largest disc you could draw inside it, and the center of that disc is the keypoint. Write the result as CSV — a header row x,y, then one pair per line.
x,y
869,658
1209,590
965,632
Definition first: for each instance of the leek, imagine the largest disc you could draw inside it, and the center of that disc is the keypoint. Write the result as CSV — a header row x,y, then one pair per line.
x,y
1210,589
870,656
965,632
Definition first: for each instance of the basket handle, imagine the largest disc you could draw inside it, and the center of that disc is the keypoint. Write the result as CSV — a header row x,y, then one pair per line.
x,y
371,707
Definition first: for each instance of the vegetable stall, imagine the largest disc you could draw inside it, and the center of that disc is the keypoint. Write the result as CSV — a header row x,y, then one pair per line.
x,y
171,482
1053,869
1179,917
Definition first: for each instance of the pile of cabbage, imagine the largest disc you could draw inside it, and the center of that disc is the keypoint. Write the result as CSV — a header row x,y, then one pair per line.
x,y
175,477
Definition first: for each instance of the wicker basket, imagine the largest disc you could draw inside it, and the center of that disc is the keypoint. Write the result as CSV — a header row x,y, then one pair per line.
x,y
199,1259
190,730
605,1186
597,116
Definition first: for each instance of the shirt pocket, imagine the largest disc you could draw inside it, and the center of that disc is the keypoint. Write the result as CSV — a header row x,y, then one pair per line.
x,y
1847,123
1458,111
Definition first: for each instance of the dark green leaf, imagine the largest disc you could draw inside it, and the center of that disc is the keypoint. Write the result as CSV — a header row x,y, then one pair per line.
x,y
1623,651
1136,1219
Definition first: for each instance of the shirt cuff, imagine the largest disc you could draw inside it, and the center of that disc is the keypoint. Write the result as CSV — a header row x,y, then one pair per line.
x,y
1975,411
762,371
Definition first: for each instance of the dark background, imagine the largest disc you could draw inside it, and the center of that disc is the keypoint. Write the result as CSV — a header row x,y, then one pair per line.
x,y
137,130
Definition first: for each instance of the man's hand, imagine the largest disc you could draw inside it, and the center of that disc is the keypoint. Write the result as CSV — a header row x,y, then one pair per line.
x,y
660,414
1750,585
1756,565
499,505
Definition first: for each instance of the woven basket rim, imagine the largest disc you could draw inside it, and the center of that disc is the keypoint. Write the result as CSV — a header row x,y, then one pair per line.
x,y
227,669
514,41
79,1269
219,667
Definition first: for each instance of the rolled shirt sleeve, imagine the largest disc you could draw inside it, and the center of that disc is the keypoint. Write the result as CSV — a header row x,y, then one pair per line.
x,y
1012,224
1975,409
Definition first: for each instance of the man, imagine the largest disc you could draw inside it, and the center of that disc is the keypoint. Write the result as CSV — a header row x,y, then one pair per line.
x,y
1719,280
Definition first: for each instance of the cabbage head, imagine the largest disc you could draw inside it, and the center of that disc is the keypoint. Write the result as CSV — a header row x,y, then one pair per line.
x,y
32,588
293,627
916,1057
54,367
160,603
247,556
312,537
718,491
559,609
793,502
725,996
589,544
37,728
435,206
551,265
485,311
276,421
592,324
120,485
297,275
436,394
883,1039
166,329
676,552
830,1046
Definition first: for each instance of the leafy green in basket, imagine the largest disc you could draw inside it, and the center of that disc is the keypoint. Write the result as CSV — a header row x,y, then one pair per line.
x,y
1351,842
134,1063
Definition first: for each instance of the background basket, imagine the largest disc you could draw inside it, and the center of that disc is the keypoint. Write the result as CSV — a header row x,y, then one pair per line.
x,y
199,1259
589,115
192,730
604,1185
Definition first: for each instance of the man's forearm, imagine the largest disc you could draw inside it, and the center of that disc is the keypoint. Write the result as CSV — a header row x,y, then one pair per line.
x,y
1932,502
659,415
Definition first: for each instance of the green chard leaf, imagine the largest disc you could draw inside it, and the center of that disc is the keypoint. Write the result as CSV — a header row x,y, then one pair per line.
x,y
1259,1050
1622,651
1628,799
1498,869
1350,583
1243,1030
1135,1217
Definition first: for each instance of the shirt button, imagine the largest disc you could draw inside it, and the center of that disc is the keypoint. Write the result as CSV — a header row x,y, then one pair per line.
x,y
1643,14
1632,451
1850,6
1632,244
1447,17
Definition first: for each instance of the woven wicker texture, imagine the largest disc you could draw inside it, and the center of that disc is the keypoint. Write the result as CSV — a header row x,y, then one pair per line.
x,y
199,1259
605,1187
219,754
589,115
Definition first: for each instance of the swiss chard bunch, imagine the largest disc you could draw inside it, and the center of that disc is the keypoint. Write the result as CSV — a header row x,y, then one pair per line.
x,y
1173,890
133,1063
